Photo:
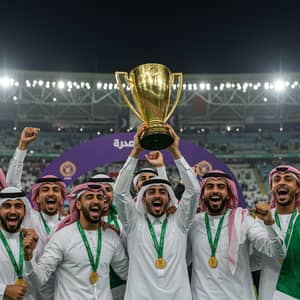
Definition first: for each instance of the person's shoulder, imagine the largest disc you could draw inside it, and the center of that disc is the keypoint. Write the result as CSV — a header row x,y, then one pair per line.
x,y
198,219
110,230
66,231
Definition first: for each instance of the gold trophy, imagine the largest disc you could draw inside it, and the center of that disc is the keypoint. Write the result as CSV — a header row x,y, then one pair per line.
x,y
151,86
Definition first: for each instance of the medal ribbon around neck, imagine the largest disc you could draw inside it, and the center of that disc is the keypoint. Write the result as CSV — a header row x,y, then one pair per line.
x,y
46,226
290,226
112,217
47,229
213,244
18,268
94,264
159,247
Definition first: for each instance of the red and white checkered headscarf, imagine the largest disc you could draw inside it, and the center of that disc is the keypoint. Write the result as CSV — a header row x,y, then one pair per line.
x,y
237,215
46,180
77,191
284,169
217,174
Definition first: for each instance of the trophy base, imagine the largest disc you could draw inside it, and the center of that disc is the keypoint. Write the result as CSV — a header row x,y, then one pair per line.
x,y
156,141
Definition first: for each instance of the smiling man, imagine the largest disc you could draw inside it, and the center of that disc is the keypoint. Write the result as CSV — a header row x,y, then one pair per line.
x,y
14,210
280,279
156,231
80,251
221,238
48,195
110,215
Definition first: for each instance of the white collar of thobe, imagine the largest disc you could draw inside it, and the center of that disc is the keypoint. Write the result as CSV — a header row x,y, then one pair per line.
x,y
156,220
10,235
49,218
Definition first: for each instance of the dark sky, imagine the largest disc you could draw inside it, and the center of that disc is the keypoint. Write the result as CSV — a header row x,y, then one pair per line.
x,y
83,36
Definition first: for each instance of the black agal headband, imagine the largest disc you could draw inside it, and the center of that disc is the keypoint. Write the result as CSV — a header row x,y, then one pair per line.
x,y
12,195
216,174
156,181
51,179
103,180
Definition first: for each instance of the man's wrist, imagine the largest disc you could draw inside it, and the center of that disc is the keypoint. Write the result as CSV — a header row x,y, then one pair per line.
x,y
23,146
135,152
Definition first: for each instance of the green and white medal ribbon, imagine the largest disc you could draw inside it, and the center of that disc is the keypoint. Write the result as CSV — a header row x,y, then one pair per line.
x,y
213,261
112,217
18,268
94,263
289,229
160,263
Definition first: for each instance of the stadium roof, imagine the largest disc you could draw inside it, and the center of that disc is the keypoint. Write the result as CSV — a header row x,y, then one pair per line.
x,y
91,100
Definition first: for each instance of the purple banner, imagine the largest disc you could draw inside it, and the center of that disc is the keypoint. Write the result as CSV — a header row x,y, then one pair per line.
x,y
115,148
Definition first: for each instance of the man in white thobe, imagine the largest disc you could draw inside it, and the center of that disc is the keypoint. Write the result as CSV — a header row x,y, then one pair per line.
x,y
156,231
221,239
80,251
279,279
110,215
14,209
47,197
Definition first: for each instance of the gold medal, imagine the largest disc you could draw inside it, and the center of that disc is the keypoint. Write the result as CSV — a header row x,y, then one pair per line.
x,y
94,277
21,282
213,262
160,263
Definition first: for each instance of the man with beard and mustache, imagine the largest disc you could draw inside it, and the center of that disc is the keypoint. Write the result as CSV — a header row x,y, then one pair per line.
x,y
156,231
280,279
110,215
14,211
47,197
221,240
109,212
80,251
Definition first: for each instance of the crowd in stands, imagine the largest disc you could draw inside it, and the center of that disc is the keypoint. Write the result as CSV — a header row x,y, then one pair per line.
x,y
251,175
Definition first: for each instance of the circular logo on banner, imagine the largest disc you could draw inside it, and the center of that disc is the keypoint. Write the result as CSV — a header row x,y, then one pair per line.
x,y
204,167
67,169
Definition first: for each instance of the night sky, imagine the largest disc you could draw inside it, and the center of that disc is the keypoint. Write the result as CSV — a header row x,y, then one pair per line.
x,y
83,36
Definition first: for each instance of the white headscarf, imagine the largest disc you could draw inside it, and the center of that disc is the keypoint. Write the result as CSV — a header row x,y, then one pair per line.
x,y
142,171
156,180
102,178
13,193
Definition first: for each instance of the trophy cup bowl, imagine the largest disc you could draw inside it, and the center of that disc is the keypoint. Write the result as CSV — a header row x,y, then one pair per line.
x,y
151,85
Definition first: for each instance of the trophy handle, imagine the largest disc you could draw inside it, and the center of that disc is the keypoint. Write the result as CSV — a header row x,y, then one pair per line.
x,y
122,91
173,75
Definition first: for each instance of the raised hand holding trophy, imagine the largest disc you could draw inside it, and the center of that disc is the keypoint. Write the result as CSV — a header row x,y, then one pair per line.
x,y
151,86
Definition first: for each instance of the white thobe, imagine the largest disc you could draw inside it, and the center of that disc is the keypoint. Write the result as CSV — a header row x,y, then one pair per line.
x,y
270,268
46,292
118,292
8,274
15,169
145,281
219,283
65,254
